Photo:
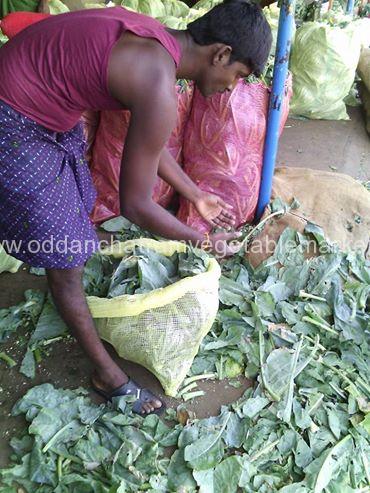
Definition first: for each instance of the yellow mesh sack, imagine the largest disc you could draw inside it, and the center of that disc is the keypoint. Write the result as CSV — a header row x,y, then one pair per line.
x,y
160,330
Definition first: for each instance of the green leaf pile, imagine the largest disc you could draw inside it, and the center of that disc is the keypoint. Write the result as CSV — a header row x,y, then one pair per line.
x,y
75,446
300,328
41,324
140,272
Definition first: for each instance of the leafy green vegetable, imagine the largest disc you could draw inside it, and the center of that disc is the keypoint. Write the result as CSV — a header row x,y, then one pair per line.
x,y
298,326
28,366
208,450
154,8
227,475
37,271
25,314
8,263
140,272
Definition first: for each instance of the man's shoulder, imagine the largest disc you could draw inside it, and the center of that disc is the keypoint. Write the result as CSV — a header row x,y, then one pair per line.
x,y
138,64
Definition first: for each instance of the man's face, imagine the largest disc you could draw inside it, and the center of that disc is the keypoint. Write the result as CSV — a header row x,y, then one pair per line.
x,y
221,75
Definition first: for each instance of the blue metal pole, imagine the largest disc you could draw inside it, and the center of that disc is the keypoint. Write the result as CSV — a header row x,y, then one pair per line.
x,y
283,45
350,5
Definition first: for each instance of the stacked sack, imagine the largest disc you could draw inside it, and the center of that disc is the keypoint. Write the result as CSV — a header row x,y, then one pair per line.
x,y
324,59
223,148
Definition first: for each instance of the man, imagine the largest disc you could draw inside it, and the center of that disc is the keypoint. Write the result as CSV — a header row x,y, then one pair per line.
x,y
107,59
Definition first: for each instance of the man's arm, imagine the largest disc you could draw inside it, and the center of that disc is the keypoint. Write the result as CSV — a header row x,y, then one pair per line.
x,y
139,172
152,119
148,91
172,173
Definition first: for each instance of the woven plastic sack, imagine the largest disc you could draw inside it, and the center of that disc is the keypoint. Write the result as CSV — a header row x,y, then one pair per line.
x,y
90,122
223,149
336,202
107,155
161,330
323,64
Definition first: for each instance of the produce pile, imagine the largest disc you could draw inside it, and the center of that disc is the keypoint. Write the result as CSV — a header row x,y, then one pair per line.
x,y
327,44
297,326
325,50
140,272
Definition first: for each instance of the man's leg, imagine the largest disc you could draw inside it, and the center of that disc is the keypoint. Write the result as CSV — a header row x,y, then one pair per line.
x,y
69,297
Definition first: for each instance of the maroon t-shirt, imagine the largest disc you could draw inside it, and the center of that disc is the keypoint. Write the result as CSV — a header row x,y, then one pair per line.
x,y
55,69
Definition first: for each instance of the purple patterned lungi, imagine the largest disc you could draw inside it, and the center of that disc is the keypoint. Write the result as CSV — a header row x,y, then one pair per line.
x,y
46,194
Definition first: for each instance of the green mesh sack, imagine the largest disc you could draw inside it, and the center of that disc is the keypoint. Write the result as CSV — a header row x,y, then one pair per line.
x,y
161,330
323,64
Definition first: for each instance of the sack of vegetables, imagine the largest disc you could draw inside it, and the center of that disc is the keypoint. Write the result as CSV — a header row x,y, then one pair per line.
x,y
323,64
223,148
154,302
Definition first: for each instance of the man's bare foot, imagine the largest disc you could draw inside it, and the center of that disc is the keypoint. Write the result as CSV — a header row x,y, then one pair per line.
x,y
108,383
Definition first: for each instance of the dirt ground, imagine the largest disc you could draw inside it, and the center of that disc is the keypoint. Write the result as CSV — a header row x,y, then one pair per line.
x,y
316,144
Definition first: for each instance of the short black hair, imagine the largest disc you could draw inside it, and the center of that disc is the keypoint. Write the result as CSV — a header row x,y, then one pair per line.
x,y
239,24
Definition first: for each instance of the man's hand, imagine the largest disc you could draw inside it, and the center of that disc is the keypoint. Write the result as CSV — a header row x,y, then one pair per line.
x,y
214,210
220,246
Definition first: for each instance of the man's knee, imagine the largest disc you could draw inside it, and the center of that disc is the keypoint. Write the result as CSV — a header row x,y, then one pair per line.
x,y
59,278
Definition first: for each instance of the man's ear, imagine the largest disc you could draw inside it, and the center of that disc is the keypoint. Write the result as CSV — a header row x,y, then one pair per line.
x,y
221,55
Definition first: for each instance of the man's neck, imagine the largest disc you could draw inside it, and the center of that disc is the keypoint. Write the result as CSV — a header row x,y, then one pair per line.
x,y
191,55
